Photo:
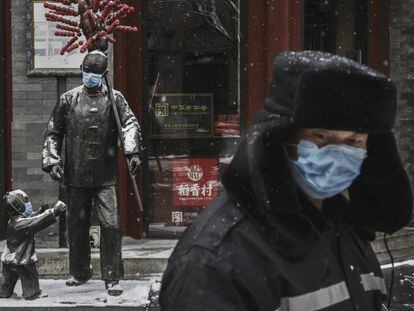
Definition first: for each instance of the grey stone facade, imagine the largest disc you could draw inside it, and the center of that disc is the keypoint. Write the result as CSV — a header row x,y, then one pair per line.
x,y
33,101
402,72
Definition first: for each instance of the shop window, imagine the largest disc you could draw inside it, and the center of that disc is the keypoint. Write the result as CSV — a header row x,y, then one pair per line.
x,y
337,26
194,111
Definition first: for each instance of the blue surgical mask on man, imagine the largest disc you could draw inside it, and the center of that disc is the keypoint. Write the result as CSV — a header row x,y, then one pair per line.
x,y
91,80
324,172
28,209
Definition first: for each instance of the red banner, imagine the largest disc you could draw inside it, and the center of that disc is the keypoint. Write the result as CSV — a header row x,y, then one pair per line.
x,y
194,181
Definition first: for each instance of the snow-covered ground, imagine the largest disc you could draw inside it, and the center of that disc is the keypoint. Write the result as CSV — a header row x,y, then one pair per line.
x,y
92,294
398,264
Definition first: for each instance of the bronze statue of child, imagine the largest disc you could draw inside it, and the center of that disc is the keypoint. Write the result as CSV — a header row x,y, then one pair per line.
x,y
19,257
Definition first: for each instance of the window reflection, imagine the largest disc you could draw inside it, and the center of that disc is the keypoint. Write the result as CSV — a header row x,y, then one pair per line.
x,y
337,26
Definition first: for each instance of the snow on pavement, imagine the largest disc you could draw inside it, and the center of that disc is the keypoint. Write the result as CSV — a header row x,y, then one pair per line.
x,y
397,264
92,294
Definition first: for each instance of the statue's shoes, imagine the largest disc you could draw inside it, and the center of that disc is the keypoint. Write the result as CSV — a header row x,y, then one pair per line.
x,y
113,288
39,294
76,282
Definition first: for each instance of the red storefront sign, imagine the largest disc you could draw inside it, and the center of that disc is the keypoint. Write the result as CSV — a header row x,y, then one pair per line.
x,y
194,181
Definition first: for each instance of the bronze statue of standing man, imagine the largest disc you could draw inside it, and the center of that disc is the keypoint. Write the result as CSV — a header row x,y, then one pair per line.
x,y
83,121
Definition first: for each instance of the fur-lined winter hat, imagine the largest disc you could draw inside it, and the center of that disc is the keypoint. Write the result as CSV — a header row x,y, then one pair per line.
x,y
320,90
316,89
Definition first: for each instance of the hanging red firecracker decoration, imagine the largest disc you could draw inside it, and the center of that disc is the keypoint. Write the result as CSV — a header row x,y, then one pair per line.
x,y
95,19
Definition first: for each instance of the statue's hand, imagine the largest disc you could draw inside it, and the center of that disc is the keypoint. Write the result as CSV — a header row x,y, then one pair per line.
x,y
59,208
43,208
56,172
134,163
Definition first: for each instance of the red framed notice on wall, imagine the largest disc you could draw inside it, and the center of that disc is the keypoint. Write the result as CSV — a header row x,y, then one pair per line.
x,y
194,181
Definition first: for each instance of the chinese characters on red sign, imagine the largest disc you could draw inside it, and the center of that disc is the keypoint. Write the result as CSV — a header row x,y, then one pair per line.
x,y
194,181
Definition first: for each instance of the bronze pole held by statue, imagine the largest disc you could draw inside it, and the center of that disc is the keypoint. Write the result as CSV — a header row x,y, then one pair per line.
x,y
119,127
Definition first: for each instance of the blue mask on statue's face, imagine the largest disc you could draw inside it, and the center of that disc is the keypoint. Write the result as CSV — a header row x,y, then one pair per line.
x,y
324,172
91,80
28,209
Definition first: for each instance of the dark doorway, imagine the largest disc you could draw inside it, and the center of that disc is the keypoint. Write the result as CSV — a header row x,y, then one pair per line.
x,y
337,26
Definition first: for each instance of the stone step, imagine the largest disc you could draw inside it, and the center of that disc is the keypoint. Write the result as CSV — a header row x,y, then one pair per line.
x,y
399,240
150,256
141,257
401,245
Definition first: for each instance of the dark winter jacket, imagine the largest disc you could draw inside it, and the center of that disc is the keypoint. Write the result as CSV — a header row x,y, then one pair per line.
x,y
262,246
87,125
20,244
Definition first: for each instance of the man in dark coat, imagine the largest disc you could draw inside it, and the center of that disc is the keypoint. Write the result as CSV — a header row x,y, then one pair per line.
x,y
19,257
316,176
84,120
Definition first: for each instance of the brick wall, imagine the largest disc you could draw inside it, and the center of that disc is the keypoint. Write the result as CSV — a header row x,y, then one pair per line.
x,y
33,101
402,72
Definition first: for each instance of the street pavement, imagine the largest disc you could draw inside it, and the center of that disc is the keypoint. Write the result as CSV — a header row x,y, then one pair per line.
x,y
91,296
